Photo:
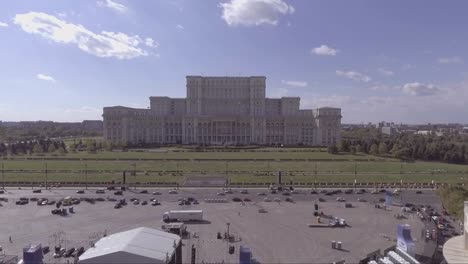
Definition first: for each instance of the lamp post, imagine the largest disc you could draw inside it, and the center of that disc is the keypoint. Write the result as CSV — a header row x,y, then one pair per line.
x,y
86,175
3,175
45,174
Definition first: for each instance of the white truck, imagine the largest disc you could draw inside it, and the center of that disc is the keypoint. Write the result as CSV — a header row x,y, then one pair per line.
x,y
183,216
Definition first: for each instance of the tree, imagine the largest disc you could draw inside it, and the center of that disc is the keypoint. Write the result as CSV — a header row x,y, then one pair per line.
x,y
343,145
62,150
352,149
38,148
374,149
358,148
51,148
332,149
109,146
91,147
383,148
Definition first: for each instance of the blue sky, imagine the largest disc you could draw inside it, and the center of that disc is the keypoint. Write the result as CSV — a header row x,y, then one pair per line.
x,y
402,61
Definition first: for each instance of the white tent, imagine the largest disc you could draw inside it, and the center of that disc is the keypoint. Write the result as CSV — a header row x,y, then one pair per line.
x,y
140,245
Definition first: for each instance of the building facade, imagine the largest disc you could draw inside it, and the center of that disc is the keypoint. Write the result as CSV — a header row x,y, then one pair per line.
x,y
223,111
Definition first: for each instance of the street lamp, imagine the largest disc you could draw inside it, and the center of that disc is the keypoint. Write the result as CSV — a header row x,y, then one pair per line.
x,y
45,174
3,175
86,175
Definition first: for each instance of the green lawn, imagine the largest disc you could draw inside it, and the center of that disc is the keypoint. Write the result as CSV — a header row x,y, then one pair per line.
x,y
249,166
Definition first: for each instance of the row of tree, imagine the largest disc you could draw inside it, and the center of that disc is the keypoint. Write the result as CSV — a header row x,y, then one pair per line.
x,y
44,130
33,147
451,149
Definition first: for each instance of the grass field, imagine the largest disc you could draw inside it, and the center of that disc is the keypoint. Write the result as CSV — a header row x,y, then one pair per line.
x,y
246,166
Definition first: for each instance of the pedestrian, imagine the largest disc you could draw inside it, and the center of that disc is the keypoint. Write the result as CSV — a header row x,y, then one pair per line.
x,y
238,213
11,241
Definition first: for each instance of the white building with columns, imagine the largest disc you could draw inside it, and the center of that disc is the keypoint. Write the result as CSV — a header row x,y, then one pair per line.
x,y
223,111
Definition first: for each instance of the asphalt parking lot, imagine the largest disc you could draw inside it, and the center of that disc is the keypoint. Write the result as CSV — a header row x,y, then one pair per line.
x,y
279,235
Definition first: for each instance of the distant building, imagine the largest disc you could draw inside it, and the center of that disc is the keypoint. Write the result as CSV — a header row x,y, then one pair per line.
x,y
223,111
140,245
389,131
92,124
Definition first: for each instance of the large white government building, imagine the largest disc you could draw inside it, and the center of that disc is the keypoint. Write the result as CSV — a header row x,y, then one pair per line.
x,y
223,111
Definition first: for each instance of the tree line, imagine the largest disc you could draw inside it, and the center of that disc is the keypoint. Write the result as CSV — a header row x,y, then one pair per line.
x,y
33,147
447,148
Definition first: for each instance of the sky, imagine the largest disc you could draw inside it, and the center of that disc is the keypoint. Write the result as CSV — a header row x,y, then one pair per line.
x,y
400,61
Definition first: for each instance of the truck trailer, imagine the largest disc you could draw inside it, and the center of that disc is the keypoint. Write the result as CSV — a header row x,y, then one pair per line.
x,y
183,216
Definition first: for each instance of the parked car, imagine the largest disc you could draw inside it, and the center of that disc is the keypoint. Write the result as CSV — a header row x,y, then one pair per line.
x,y
100,191
220,194
59,253
340,199
313,192
144,203
181,203
349,191
78,252
244,191
289,199
37,191
190,199
247,200
321,199
195,202
266,199
118,206
69,252
261,194
286,193
136,202
80,191
236,199
361,200
156,193
172,192
110,188
277,200
228,191
143,191
45,250
419,192
118,193
382,200
273,192
375,192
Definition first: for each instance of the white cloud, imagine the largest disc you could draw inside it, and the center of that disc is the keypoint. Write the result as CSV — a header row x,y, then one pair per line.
x,y
420,89
3,24
354,76
151,43
408,66
254,12
295,83
324,50
180,27
105,44
449,60
385,72
113,5
44,77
